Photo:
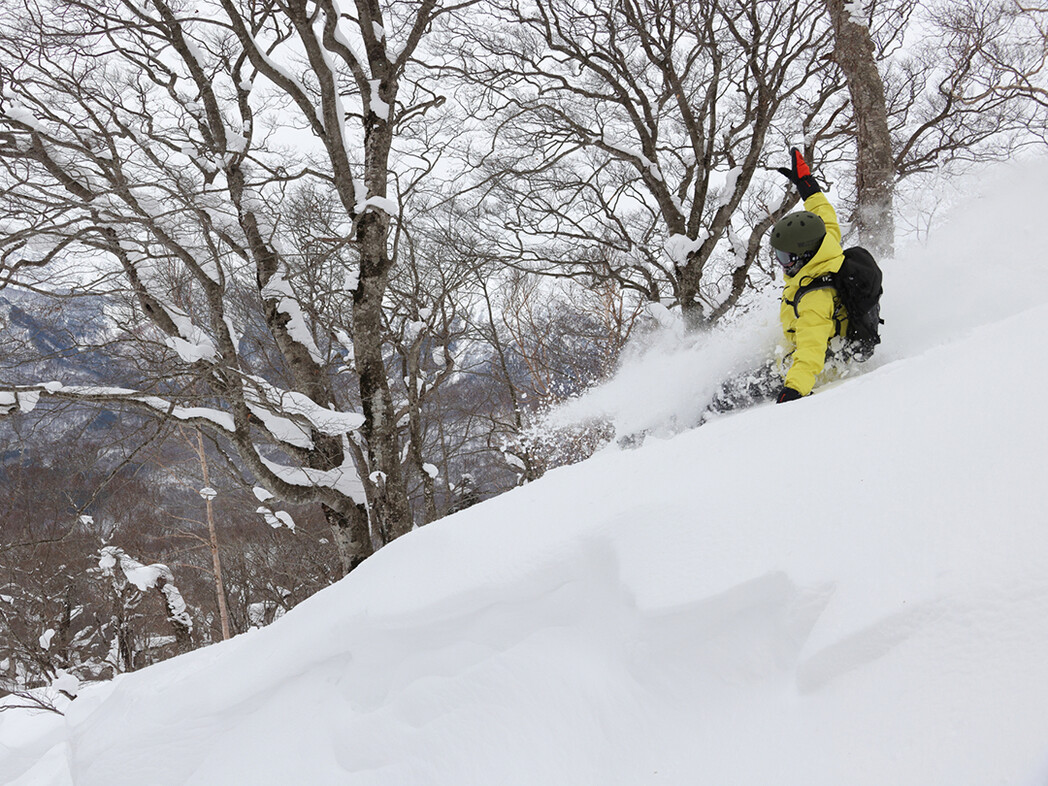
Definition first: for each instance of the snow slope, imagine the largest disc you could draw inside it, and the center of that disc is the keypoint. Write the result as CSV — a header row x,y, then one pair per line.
x,y
727,606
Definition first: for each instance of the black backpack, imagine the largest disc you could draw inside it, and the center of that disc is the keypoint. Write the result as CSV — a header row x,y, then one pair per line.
x,y
858,285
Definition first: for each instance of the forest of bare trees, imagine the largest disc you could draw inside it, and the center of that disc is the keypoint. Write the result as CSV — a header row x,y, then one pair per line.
x,y
281,280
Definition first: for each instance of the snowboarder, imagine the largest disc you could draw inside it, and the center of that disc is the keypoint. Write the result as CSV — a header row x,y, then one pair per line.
x,y
807,245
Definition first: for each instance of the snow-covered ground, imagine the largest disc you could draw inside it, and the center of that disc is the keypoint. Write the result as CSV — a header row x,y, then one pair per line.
x,y
849,589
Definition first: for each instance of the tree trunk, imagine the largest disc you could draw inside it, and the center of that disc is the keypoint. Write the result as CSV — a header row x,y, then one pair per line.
x,y
429,501
216,562
391,512
351,533
875,174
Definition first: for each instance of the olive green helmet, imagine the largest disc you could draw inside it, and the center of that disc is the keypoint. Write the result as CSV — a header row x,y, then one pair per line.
x,y
799,233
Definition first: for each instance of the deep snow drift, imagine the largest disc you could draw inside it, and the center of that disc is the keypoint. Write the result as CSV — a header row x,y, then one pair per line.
x,y
849,589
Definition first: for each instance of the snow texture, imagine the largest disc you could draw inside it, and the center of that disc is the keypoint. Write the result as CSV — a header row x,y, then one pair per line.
x,y
283,429
262,494
280,290
147,577
23,400
66,682
343,479
142,576
277,518
858,11
727,189
221,419
327,421
384,204
678,247
697,610
382,111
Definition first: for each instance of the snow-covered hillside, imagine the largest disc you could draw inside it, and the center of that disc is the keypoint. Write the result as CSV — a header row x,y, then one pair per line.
x,y
849,589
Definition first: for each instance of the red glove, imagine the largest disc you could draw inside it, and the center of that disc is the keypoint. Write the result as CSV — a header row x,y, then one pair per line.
x,y
800,175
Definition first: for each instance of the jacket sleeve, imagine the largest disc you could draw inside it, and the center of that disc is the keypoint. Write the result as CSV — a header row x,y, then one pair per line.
x,y
812,332
820,206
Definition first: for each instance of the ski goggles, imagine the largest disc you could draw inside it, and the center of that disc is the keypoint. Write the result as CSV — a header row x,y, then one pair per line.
x,y
785,258
791,263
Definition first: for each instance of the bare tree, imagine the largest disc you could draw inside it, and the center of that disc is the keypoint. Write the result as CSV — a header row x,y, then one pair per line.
x,y
969,91
632,135
208,494
855,53
144,137
128,581
1028,75
428,319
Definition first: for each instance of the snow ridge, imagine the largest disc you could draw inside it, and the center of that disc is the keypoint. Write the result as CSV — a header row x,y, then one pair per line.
x,y
733,604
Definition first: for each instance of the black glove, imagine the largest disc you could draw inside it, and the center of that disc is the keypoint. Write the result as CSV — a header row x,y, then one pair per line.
x,y
787,394
800,175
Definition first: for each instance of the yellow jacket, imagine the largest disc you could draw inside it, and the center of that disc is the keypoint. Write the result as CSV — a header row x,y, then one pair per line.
x,y
819,316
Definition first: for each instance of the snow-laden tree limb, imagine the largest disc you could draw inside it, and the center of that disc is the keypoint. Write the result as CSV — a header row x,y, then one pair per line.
x,y
634,134
148,151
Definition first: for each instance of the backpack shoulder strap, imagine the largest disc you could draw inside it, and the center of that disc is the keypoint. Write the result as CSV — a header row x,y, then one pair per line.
x,y
821,282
